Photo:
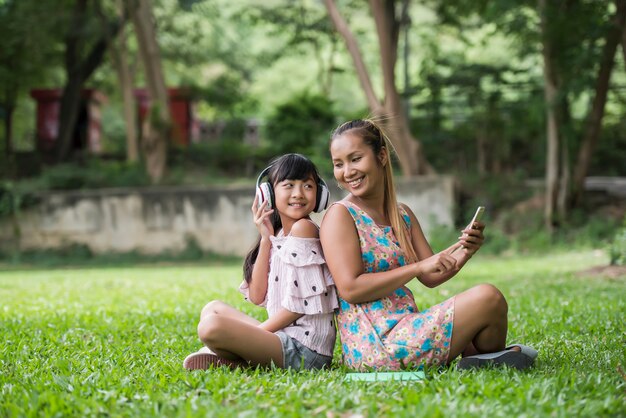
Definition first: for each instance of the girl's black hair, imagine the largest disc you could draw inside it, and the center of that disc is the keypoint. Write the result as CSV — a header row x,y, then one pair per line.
x,y
286,167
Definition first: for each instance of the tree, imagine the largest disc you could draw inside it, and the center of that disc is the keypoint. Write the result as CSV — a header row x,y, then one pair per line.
x,y
576,41
555,164
25,55
614,34
304,25
388,20
119,55
85,46
156,126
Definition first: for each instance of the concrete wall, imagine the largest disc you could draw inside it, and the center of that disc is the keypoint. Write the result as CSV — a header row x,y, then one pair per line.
x,y
154,220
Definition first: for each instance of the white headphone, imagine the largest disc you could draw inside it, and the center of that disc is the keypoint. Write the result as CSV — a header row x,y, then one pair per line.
x,y
265,192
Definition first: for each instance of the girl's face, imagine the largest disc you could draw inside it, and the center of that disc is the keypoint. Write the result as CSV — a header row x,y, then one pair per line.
x,y
295,199
355,166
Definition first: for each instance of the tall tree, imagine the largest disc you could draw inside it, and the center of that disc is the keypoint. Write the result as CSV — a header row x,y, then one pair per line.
x,y
593,125
119,55
25,55
85,46
388,19
553,138
576,41
156,125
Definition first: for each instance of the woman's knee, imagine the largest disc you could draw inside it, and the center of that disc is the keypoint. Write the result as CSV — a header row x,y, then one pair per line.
x,y
490,297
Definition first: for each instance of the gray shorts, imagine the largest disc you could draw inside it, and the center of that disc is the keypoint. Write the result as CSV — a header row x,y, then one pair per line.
x,y
299,357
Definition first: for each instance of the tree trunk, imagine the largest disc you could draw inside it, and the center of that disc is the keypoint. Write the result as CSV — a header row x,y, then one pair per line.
x,y
594,119
125,78
8,129
357,58
119,59
408,149
552,123
78,71
565,170
624,45
156,124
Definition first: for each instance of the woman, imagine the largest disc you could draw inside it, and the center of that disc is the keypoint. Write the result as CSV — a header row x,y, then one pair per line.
x,y
375,246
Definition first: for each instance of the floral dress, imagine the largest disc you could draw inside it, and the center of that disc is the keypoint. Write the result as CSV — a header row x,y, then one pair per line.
x,y
390,333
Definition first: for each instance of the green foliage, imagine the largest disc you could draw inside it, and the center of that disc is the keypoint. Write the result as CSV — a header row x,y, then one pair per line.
x,y
227,96
110,341
93,173
617,251
79,255
225,159
302,124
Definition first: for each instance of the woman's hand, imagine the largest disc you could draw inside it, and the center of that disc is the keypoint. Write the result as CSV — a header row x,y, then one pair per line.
x,y
440,263
472,238
262,219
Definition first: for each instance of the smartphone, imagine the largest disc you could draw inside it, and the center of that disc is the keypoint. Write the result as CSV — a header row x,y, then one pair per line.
x,y
477,216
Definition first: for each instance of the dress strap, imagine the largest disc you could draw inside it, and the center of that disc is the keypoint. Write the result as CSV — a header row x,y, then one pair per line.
x,y
405,216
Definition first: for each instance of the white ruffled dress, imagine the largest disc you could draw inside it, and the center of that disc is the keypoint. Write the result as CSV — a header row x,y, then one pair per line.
x,y
300,282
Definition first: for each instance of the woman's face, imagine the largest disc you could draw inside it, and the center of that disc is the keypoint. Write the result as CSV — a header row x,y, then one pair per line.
x,y
355,166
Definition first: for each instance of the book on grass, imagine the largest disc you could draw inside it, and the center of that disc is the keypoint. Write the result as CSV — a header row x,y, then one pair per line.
x,y
384,376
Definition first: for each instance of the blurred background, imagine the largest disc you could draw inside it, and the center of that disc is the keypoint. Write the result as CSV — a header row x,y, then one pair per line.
x,y
161,109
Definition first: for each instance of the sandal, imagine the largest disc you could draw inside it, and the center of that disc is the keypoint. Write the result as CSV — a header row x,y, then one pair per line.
x,y
205,358
516,359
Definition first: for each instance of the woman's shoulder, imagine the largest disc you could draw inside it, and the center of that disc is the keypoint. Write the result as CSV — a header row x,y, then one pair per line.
x,y
338,212
406,213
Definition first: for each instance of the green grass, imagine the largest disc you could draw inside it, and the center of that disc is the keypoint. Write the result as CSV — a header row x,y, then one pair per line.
x,y
110,342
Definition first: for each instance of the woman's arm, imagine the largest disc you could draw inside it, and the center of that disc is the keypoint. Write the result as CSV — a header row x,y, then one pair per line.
x,y
342,251
461,251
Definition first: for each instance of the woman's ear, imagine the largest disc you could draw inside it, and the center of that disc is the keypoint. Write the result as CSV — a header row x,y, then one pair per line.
x,y
382,156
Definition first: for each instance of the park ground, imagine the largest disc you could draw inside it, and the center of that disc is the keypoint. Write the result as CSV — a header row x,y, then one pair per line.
x,y
109,341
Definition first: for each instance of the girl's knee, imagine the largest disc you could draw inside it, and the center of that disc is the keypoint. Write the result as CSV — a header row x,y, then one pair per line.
x,y
210,328
212,307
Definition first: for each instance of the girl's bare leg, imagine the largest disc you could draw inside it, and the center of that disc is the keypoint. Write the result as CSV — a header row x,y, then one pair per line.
x,y
236,339
217,307
480,321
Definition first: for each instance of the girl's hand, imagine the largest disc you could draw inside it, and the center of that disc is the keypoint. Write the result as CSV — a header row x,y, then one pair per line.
x,y
261,216
472,238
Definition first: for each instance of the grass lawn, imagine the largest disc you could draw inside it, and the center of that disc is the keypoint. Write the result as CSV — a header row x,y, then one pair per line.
x,y
110,342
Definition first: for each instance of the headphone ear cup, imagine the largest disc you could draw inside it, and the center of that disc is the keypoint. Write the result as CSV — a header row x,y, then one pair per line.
x,y
266,194
323,197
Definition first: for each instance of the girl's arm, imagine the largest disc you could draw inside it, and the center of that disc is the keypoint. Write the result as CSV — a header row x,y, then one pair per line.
x,y
261,269
280,320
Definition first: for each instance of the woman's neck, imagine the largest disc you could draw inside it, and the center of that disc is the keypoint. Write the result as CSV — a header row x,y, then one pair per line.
x,y
375,208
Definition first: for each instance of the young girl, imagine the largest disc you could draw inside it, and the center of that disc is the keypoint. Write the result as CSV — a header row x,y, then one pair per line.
x,y
285,272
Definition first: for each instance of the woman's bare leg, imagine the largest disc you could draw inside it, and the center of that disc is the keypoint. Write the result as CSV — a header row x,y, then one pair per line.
x,y
480,321
236,339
